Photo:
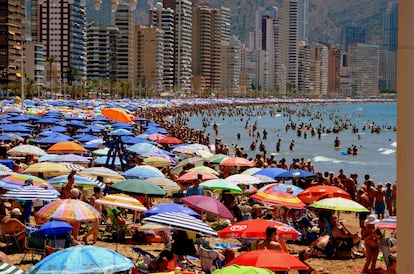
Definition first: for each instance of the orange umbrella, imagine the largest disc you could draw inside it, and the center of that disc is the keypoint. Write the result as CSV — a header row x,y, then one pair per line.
x,y
117,114
66,147
169,140
237,161
279,198
315,193
193,175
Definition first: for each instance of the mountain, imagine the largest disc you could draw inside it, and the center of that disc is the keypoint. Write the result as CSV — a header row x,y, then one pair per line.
x,y
326,17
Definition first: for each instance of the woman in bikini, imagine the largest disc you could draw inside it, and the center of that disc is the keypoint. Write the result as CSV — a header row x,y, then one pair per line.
x,y
371,235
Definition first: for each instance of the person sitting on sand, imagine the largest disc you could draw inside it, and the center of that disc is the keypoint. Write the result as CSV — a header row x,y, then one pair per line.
x,y
270,242
12,225
160,263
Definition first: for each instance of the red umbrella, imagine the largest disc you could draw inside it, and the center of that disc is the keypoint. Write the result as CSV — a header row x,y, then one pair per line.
x,y
208,204
274,260
256,228
193,175
169,140
237,161
315,193
280,198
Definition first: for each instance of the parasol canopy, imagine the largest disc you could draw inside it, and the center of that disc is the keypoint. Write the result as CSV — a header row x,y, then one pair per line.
x,y
117,114
139,187
339,204
122,201
208,204
69,210
66,147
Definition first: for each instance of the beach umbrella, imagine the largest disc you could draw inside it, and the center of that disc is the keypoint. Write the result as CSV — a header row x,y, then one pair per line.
x,y
251,171
221,184
204,154
314,193
122,201
274,260
155,136
102,160
271,172
132,140
339,203
94,144
282,187
54,227
74,167
167,184
217,158
70,158
101,172
101,151
169,140
121,132
256,229
157,161
82,259
295,174
138,187
237,161
194,175
208,204
81,181
17,180
388,223
47,167
181,221
144,171
205,169
83,138
196,161
170,207
264,179
279,198
116,114
243,179
30,193
10,269
24,150
66,147
143,148
5,170
69,210
237,269
53,139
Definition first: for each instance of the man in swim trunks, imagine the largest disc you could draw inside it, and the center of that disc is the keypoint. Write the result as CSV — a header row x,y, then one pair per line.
x,y
380,201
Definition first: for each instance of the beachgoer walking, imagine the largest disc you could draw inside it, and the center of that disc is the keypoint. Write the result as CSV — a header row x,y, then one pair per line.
x,y
371,235
379,204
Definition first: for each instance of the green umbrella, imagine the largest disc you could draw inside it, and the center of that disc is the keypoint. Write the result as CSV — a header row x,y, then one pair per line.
x,y
339,203
217,158
236,269
139,187
221,184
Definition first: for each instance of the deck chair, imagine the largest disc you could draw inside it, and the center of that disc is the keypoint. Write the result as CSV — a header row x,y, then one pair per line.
x,y
35,244
11,240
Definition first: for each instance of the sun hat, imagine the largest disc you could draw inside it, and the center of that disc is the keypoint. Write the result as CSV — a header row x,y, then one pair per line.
x,y
372,220
16,211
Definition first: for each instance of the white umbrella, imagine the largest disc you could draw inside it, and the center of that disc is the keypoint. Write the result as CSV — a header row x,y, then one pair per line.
x,y
243,179
24,150
31,193
11,269
101,172
181,221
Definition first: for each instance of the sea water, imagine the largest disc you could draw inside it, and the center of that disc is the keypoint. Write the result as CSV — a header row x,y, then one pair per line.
x,y
376,151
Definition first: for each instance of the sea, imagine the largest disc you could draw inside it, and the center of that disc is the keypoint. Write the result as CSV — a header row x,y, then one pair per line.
x,y
376,150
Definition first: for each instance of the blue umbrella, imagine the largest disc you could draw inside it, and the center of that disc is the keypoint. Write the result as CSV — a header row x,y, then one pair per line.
x,y
93,144
121,132
143,171
58,129
53,139
132,140
271,172
102,160
82,259
85,137
92,129
295,174
142,148
54,227
170,207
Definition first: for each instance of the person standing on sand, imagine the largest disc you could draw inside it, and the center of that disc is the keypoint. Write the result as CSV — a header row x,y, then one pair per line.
x,y
379,201
364,201
371,235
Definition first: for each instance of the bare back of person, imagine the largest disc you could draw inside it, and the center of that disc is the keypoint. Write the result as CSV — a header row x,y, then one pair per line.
x,y
269,244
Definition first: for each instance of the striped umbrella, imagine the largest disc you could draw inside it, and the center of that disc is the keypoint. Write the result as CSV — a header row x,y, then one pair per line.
x,y
17,180
47,167
388,223
74,167
5,170
69,210
193,175
181,221
279,198
30,192
10,269
122,201
85,182
101,172
24,150
208,204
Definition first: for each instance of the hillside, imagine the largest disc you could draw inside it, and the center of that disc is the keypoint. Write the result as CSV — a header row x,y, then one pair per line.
x,y
326,17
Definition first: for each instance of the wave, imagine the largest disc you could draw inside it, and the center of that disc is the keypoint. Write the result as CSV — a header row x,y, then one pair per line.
x,y
394,144
337,161
386,151
326,159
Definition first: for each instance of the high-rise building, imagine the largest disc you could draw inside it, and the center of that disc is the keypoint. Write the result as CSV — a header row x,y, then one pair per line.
x,y
182,43
12,30
61,28
334,71
387,71
230,69
206,49
225,24
352,35
122,20
163,18
363,61
292,38
319,70
304,87
101,48
390,27
148,58
35,62
303,20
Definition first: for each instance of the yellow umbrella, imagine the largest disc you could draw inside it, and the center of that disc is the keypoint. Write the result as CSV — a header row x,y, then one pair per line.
x,y
157,161
48,167
122,201
205,169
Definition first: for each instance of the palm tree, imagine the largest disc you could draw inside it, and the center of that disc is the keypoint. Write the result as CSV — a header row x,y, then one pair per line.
x,y
29,87
50,61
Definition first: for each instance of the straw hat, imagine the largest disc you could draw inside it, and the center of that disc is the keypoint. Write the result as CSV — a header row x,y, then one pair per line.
x,y
16,211
372,220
